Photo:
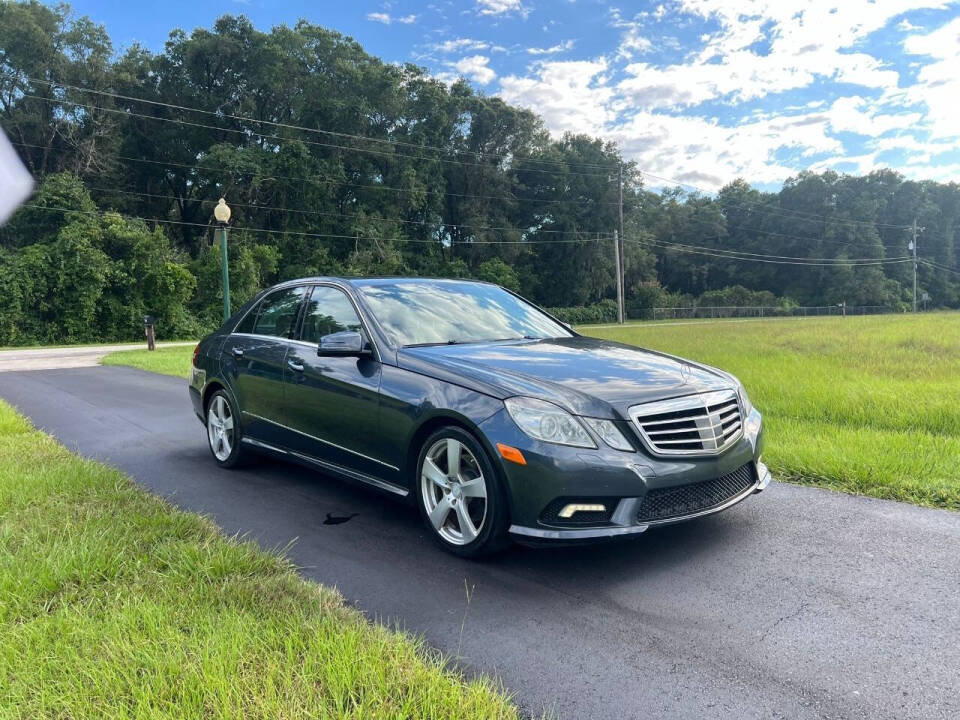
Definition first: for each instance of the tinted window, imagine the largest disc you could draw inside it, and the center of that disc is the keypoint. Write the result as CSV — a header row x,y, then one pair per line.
x,y
278,312
328,311
440,311
246,325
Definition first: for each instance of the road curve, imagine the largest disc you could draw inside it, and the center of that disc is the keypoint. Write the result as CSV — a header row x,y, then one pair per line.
x,y
798,603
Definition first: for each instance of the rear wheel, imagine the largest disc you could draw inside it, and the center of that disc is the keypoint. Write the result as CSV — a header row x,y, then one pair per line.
x,y
459,494
223,431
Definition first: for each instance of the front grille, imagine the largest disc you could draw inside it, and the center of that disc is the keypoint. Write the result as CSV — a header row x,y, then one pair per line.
x,y
551,513
703,424
676,502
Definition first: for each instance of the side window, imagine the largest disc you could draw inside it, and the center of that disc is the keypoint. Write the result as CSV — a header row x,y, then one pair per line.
x,y
278,313
328,311
246,325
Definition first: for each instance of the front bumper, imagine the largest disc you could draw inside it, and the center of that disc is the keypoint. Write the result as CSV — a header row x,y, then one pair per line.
x,y
618,480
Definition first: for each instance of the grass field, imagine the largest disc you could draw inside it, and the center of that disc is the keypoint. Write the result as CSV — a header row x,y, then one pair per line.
x,y
867,405
115,605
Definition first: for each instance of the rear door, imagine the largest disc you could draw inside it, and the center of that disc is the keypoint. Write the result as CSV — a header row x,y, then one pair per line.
x,y
333,402
257,353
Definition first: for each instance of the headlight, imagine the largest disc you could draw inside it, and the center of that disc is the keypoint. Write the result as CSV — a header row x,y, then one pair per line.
x,y
545,421
744,400
609,433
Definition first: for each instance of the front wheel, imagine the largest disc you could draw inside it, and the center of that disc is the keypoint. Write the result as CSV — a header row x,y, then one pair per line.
x,y
459,496
223,431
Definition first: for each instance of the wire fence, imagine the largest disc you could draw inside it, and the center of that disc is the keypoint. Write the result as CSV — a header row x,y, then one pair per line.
x,y
756,311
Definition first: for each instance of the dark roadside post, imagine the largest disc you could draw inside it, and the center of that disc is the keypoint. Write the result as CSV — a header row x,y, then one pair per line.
x,y
148,331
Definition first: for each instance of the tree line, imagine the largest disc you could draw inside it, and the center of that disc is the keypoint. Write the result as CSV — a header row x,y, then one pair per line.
x,y
335,162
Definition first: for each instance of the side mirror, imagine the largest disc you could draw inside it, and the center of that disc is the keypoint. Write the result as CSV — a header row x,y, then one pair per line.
x,y
344,343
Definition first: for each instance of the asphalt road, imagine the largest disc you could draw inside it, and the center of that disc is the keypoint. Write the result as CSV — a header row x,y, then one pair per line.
x,y
797,603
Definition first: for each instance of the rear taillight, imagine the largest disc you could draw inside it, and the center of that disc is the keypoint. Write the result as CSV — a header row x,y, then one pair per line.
x,y
196,354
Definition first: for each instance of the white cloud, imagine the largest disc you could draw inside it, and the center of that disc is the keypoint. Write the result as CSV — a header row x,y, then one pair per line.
x,y
757,49
938,82
460,45
501,7
388,19
632,41
808,40
553,50
569,95
476,68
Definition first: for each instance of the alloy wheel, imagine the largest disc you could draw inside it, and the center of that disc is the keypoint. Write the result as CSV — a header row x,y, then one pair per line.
x,y
454,491
220,428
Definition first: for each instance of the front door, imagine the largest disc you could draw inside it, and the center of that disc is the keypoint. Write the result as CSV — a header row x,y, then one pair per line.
x,y
258,352
333,402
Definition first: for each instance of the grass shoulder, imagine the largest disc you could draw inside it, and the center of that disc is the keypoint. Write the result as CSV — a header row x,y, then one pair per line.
x,y
112,602
163,360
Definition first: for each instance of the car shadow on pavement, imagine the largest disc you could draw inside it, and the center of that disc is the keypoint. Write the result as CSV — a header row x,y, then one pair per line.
x,y
305,500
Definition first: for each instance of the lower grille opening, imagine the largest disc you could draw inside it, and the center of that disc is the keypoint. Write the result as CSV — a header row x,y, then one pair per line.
x,y
676,502
551,513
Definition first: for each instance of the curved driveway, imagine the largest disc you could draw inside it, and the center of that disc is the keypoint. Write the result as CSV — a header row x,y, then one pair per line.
x,y
798,603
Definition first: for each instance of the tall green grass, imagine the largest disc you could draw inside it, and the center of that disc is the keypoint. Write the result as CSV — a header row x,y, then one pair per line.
x,y
115,605
869,405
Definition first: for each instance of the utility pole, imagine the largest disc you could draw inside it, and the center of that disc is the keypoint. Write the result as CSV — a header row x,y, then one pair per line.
x,y
616,256
621,269
913,246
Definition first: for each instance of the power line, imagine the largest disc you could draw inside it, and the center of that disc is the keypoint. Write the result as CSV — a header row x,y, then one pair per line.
x,y
781,257
326,179
248,133
938,266
795,214
320,213
707,223
334,181
330,236
680,248
333,133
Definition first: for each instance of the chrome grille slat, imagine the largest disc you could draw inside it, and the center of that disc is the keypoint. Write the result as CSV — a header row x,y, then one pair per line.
x,y
678,431
702,424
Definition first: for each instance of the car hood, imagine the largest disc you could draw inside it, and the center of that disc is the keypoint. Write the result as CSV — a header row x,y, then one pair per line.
x,y
586,376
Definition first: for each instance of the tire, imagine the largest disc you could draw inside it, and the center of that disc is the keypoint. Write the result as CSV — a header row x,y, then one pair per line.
x,y
465,510
223,431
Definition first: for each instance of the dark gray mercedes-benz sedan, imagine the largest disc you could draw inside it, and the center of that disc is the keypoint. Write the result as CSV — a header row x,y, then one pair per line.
x,y
495,418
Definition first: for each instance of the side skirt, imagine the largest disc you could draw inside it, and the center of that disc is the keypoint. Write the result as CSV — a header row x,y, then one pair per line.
x,y
330,467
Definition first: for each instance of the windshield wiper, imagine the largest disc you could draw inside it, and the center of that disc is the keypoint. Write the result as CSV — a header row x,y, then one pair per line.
x,y
518,337
432,344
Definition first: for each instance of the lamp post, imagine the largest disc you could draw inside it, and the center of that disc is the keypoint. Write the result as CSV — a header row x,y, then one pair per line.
x,y
222,213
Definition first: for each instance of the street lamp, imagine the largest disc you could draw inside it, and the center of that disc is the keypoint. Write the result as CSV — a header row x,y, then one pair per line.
x,y
222,213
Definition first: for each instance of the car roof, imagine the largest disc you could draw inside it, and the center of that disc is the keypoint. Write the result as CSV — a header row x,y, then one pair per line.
x,y
355,280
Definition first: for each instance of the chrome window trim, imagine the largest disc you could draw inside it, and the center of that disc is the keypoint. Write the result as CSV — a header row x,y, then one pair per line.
x,y
325,442
356,308
686,402
364,323
258,303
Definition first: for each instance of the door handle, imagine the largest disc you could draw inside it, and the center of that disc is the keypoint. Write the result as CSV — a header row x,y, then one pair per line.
x,y
238,352
295,365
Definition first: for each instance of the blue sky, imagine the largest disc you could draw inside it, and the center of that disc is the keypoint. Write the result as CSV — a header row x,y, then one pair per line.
x,y
698,91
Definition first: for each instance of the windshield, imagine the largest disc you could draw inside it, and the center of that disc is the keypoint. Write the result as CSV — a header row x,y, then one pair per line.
x,y
422,312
